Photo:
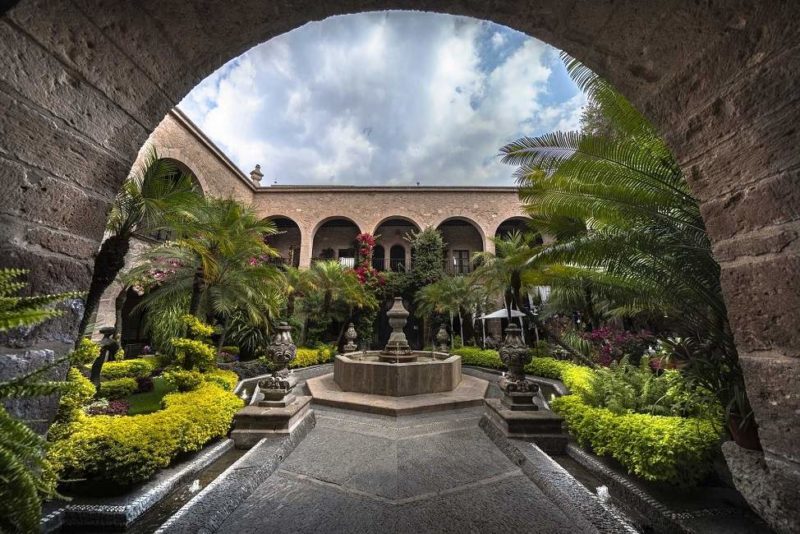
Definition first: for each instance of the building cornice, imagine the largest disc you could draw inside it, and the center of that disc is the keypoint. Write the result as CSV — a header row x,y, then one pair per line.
x,y
383,189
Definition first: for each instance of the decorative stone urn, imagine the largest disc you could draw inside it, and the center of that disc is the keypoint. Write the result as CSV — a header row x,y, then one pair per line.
x,y
519,392
350,335
397,348
275,390
441,339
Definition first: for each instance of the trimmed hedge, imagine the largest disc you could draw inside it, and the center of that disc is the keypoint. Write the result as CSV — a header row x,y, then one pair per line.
x,y
670,449
307,357
479,357
130,449
136,368
676,450
119,388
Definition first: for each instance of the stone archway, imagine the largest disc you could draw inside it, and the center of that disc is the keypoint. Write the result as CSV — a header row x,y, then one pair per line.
x,y
462,238
287,241
85,82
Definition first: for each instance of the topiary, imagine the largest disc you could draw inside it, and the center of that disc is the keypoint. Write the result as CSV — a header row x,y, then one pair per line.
x,y
183,379
118,389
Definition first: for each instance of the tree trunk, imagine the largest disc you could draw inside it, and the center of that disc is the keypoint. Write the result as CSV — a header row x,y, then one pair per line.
x,y
107,264
197,290
461,327
290,306
119,304
223,335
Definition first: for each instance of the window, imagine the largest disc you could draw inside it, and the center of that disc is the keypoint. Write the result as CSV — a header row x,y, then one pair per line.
x,y
461,261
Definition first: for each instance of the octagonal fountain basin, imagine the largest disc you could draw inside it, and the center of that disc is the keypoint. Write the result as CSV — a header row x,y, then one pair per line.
x,y
369,372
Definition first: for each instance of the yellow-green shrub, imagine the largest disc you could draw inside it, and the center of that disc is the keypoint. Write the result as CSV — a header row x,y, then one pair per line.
x,y
130,449
307,356
548,367
193,353
479,357
669,449
119,388
87,352
227,380
182,379
78,391
136,368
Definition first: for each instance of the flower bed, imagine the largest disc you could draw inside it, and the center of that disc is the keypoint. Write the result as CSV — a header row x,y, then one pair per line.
x,y
129,449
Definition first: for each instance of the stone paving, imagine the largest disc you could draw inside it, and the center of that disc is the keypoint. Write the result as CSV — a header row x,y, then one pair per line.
x,y
365,473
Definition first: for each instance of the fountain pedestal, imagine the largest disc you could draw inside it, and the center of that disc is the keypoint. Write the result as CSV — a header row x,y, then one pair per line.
x,y
521,412
274,411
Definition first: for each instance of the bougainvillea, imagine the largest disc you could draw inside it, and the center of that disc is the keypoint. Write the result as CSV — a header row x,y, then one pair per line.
x,y
366,274
611,345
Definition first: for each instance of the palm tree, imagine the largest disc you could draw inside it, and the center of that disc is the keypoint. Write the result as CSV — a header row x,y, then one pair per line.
x,y
154,198
338,285
643,246
451,295
218,271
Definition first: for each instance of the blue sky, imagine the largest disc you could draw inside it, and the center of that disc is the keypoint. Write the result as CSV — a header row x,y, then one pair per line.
x,y
390,98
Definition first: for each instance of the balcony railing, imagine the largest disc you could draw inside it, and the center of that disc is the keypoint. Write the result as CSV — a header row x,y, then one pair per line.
x,y
458,266
397,265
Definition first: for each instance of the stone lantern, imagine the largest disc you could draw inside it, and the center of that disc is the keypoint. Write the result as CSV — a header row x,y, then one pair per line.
x,y
518,391
350,335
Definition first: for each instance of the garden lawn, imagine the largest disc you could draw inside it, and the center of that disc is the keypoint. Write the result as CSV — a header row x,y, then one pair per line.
x,y
140,403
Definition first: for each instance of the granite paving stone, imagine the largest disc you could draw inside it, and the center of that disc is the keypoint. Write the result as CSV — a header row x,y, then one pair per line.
x,y
363,473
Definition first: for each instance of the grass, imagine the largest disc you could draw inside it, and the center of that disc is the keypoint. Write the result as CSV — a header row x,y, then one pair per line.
x,y
151,401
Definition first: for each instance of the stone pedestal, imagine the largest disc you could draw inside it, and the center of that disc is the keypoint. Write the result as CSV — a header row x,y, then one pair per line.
x,y
269,419
541,427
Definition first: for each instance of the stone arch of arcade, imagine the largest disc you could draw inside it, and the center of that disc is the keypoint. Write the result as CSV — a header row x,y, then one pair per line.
x,y
84,85
392,250
287,241
334,238
462,237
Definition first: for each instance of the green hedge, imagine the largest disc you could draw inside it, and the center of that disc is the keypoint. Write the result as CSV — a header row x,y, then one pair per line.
x,y
119,388
479,357
307,356
676,450
136,368
669,449
130,449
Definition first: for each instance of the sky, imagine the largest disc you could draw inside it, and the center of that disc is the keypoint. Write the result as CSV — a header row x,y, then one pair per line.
x,y
389,98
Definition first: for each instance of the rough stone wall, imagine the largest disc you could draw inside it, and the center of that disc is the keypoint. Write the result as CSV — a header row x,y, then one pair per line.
x,y
83,83
176,137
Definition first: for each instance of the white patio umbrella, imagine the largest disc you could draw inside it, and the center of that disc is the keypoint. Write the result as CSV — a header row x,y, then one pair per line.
x,y
502,313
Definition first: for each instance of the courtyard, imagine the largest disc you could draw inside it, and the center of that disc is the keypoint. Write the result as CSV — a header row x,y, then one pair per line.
x,y
338,268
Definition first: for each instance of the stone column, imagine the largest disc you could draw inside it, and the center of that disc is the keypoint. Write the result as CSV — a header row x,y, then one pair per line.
x,y
306,246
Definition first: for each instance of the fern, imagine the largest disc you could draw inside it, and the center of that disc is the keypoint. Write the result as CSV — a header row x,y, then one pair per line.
x,y
25,473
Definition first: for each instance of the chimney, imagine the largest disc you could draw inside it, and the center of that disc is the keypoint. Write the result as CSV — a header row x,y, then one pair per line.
x,y
256,175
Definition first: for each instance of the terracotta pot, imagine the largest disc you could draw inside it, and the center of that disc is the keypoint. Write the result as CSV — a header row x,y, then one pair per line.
x,y
746,437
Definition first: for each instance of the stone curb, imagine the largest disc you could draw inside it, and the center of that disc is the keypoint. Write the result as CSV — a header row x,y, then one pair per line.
x,y
574,499
207,511
663,519
119,516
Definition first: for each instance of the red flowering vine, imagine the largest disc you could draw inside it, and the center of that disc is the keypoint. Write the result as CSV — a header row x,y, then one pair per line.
x,y
366,274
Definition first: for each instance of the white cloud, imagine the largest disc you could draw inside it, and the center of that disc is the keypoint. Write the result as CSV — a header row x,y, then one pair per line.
x,y
384,98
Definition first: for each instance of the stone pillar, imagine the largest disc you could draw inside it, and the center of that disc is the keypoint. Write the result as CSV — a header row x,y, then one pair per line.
x,y
306,247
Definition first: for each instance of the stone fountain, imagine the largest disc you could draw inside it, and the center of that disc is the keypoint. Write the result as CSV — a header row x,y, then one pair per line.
x,y
397,379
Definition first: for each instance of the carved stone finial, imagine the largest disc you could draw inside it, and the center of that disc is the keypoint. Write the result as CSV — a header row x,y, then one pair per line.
x,y
350,335
519,392
256,175
275,390
441,339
